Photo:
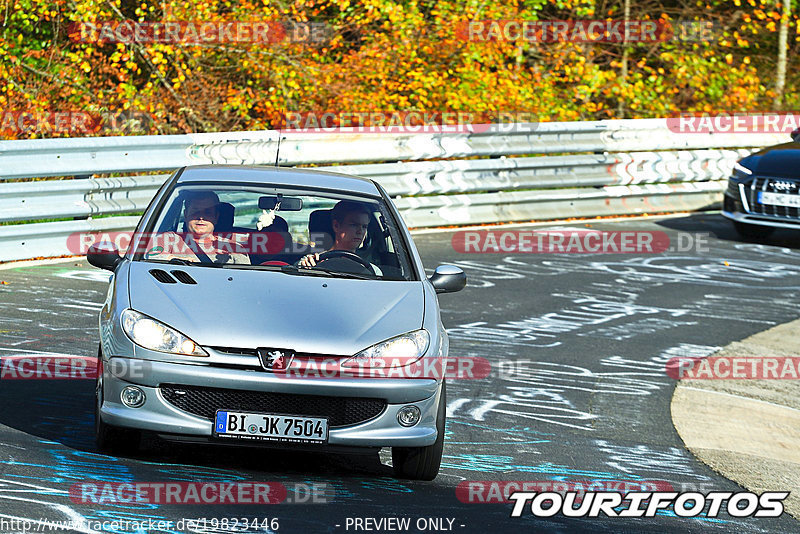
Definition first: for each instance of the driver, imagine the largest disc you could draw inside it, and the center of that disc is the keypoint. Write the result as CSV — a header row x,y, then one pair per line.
x,y
350,221
201,216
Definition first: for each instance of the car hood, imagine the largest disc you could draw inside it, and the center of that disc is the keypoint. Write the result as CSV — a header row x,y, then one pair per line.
x,y
249,309
780,161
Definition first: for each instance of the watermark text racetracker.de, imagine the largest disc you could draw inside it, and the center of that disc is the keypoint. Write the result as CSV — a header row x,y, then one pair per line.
x,y
16,122
149,524
499,491
179,243
107,493
200,32
587,31
734,368
735,122
575,241
288,366
409,121
48,366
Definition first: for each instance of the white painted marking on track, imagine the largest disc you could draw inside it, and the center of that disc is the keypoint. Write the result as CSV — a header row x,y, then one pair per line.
x,y
75,306
91,276
453,406
77,522
43,353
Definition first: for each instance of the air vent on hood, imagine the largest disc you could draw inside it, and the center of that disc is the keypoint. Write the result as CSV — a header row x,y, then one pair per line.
x,y
162,276
183,277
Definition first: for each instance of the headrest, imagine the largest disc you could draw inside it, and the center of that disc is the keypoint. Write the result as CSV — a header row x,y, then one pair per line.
x,y
225,221
320,221
279,224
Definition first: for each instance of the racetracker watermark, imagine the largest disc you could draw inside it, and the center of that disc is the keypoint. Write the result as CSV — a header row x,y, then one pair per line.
x,y
22,122
201,32
48,367
695,31
116,493
588,31
575,241
455,368
575,31
649,504
70,367
734,367
755,122
181,244
499,491
409,121
204,525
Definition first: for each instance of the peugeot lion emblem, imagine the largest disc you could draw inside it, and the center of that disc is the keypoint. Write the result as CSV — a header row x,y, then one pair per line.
x,y
275,360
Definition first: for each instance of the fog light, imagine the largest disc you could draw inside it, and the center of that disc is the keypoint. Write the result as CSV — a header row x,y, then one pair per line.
x,y
132,397
408,415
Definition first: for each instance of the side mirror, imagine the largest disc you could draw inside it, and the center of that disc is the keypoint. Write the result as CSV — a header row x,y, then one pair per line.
x,y
796,135
448,279
104,255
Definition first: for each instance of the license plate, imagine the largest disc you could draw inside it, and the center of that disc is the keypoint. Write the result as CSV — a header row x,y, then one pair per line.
x,y
779,199
270,427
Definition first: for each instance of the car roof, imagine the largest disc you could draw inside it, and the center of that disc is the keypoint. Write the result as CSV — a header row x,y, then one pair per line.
x,y
258,174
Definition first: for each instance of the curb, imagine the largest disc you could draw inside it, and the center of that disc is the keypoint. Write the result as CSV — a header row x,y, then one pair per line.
x,y
747,430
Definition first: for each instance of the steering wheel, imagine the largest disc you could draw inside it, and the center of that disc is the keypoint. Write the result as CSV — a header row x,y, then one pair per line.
x,y
347,255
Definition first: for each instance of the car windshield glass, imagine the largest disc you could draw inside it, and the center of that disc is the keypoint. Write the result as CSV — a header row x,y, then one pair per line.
x,y
295,232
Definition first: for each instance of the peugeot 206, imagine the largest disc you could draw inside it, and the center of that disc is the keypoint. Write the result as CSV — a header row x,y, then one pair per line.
x,y
263,306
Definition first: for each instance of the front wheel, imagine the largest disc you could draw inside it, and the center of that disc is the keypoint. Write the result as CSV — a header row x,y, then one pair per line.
x,y
422,463
108,438
753,231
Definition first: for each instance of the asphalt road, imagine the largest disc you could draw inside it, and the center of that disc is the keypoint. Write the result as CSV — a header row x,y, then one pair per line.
x,y
582,340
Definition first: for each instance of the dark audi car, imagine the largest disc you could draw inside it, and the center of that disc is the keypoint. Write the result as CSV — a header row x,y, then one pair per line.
x,y
764,190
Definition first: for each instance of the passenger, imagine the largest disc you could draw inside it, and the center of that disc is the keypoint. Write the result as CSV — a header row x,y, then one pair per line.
x,y
350,221
200,244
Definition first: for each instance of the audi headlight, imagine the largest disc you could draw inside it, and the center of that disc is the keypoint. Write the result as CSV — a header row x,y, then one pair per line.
x,y
740,171
150,334
395,352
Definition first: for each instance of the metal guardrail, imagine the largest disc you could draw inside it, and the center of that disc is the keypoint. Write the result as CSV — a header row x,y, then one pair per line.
x,y
24,201
558,203
574,169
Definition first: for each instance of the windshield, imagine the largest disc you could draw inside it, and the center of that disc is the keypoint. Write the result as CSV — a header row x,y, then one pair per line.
x,y
301,232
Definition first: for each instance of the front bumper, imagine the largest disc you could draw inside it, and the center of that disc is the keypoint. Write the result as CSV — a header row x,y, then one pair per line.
x,y
738,206
763,220
160,416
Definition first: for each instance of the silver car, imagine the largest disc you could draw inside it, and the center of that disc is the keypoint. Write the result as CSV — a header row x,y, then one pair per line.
x,y
263,306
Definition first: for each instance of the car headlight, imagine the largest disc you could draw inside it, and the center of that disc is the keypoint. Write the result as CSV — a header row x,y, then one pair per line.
x,y
395,352
740,171
150,334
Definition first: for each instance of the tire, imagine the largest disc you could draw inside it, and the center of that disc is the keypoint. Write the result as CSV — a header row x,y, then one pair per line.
x,y
753,231
422,463
108,438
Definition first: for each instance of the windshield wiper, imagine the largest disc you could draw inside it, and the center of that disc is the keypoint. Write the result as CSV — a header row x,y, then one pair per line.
x,y
249,266
291,269
340,274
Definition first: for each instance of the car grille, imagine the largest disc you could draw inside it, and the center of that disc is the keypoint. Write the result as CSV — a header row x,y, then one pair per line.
x,y
340,411
760,183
